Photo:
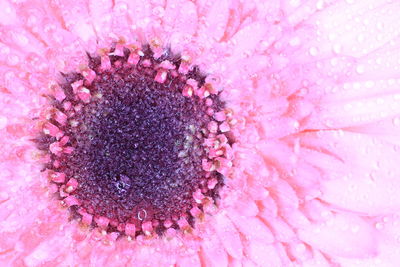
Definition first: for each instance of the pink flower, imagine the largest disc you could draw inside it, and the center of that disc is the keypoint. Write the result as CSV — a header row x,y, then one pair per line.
x,y
314,87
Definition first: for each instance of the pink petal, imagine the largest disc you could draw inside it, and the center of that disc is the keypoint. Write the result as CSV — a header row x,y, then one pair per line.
x,y
270,210
271,10
360,170
214,252
189,261
263,254
149,255
252,227
318,260
217,17
285,195
8,15
282,231
137,12
389,232
101,17
361,65
181,16
247,39
295,218
354,34
228,235
306,179
279,127
342,235
244,205
47,251
76,17
358,103
283,156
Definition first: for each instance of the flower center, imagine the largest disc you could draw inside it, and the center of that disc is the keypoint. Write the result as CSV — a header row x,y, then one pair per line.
x,y
136,143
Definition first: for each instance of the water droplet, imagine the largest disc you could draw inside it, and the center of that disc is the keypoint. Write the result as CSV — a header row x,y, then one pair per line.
x,y
121,7
295,3
300,248
360,69
13,60
303,91
380,25
20,39
313,51
3,122
361,38
337,48
159,11
355,228
320,5
329,123
334,61
4,50
379,226
332,36
348,107
369,84
356,85
296,125
391,82
396,121
142,214
380,101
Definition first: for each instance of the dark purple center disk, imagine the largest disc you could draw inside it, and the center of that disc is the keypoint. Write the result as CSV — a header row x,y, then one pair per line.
x,y
138,143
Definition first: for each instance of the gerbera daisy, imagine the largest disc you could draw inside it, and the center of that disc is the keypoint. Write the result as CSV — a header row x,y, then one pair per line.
x,y
199,133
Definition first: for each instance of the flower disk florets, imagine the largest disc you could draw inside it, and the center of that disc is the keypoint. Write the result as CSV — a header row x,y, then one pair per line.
x,y
135,142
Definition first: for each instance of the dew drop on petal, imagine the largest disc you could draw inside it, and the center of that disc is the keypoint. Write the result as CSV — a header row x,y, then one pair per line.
x,y
379,226
121,8
295,3
396,121
13,60
320,5
313,51
361,38
158,11
360,69
369,84
337,48
3,122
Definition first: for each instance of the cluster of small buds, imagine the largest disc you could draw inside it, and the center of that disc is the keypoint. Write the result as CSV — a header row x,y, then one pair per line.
x,y
216,144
